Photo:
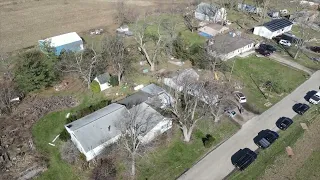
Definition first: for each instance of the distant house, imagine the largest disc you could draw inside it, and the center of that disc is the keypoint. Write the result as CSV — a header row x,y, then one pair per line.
x,y
103,81
249,8
92,133
160,98
212,29
210,12
273,28
65,42
177,80
228,46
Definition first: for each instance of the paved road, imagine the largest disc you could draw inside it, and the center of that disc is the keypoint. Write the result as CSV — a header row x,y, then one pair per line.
x,y
217,165
290,63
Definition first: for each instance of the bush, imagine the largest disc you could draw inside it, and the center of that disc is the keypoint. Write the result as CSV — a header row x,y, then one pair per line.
x,y
95,87
106,169
114,81
208,141
35,70
64,135
69,152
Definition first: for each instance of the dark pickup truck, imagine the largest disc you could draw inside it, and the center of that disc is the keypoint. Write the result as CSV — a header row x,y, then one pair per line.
x,y
265,138
243,158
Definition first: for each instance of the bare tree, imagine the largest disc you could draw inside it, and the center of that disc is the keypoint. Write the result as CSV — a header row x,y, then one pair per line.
x,y
83,64
114,52
187,108
133,127
7,92
124,14
142,37
265,6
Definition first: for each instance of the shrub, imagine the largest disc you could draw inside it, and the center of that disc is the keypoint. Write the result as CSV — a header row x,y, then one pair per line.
x,y
95,87
114,81
69,152
35,70
106,169
208,141
64,135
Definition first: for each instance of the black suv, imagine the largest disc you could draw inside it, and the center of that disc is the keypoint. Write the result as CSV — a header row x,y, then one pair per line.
x,y
300,108
268,48
263,52
265,138
243,158
283,123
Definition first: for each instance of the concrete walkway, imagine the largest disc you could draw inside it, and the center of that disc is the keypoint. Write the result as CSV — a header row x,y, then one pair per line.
x,y
290,63
217,164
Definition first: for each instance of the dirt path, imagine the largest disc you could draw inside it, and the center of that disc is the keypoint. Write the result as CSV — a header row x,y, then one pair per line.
x,y
287,62
285,168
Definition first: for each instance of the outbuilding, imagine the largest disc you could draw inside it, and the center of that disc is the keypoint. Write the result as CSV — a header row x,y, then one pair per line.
x,y
103,81
65,42
273,28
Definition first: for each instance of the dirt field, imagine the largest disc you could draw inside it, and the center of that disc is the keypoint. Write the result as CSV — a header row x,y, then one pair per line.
x,y
286,168
24,22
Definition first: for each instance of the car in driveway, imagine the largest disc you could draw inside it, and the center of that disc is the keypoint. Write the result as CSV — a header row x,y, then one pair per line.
x,y
285,42
265,138
301,108
243,158
315,99
240,97
268,48
283,123
263,52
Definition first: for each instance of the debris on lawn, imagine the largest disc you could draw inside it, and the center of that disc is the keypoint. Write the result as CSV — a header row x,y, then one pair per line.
x,y
145,71
289,151
68,115
267,104
138,87
304,126
62,86
96,32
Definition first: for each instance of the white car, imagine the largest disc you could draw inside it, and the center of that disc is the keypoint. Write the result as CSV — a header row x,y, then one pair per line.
x,y
315,99
285,42
240,97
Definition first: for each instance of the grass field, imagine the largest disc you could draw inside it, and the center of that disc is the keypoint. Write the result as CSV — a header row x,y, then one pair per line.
x,y
170,161
45,130
269,158
253,71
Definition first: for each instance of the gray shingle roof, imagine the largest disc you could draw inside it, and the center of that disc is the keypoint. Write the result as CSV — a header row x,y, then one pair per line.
x,y
134,99
103,78
152,89
277,24
93,129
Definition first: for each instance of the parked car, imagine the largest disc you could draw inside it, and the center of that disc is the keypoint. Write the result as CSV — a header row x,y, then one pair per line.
x,y
240,97
268,47
243,158
265,138
315,49
315,99
301,108
283,123
263,52
285,42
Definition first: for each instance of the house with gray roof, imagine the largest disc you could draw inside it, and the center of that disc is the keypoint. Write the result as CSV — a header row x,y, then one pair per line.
x,y
92,133
210,12
103,80
229,45
273,28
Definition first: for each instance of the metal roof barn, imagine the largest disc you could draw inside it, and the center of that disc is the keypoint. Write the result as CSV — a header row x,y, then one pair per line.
x,y
65,42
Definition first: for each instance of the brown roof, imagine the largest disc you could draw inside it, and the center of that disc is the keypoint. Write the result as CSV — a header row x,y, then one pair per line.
x,y
224,44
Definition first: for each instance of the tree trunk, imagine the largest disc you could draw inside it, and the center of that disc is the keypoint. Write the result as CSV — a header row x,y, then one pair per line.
x,y
133,165
119,78
151,63
186,134
152,66
88,84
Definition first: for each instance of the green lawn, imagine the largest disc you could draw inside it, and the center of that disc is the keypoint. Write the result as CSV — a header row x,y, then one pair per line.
x,y
310,168
45,130
268,156
283,78
170,161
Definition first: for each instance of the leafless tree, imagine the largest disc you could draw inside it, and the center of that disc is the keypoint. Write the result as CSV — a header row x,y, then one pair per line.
x,y
6,67
265,6
154,39
190,22
83,64
218,96
187,108
114,52
133,126
125,14
7,93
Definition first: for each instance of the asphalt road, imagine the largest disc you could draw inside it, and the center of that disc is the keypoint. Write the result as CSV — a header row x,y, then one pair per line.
x,y
217,164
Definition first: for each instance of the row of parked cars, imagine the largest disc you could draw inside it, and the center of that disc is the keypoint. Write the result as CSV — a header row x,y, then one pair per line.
x,y
244,157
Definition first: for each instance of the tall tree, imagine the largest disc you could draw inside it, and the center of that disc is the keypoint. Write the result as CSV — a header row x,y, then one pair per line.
x,y
84,64
114,52
124,14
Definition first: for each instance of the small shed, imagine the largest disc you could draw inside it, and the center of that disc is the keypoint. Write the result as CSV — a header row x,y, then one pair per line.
x,y
103,81
65,42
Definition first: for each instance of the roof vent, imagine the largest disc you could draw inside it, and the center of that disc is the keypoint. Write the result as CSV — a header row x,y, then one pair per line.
x,y
69,126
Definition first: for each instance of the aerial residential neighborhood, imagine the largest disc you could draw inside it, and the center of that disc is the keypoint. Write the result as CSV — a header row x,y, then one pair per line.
x,y
159,89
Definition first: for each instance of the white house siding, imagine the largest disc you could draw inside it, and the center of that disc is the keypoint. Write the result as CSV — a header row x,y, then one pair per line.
x,y
264,32
160,128
102,86
237,52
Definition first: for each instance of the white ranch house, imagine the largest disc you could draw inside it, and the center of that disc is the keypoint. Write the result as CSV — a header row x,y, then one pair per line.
x,y
273,28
